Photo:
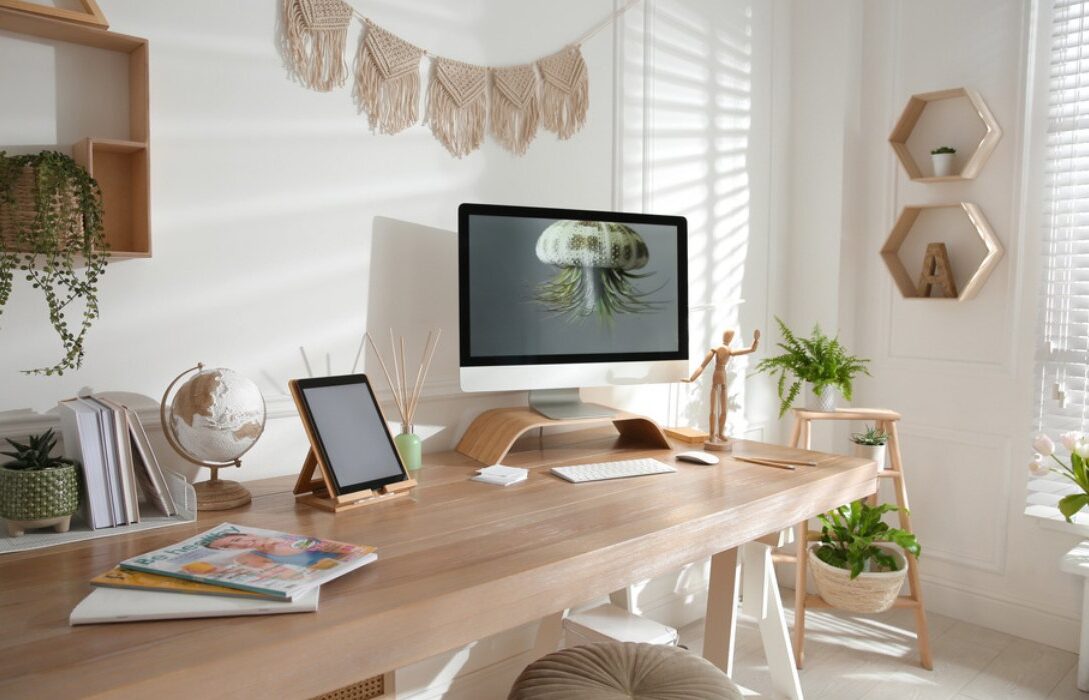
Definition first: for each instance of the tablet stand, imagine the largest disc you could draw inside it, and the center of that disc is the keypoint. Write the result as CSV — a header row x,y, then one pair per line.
x,y
322,493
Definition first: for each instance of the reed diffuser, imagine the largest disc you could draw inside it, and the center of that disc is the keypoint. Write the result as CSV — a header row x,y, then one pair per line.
x,y
408,442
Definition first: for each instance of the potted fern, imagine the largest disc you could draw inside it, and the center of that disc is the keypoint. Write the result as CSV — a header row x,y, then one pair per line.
x,y
852,565
819,361
871,445
51,234
37,489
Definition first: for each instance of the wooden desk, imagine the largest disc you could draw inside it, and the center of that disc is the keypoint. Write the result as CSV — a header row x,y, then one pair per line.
x,y
457,562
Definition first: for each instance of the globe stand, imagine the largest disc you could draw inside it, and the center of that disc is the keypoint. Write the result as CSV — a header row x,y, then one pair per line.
x,y
220,494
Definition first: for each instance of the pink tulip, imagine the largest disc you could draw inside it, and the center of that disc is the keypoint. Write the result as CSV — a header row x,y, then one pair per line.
x,y
1043,444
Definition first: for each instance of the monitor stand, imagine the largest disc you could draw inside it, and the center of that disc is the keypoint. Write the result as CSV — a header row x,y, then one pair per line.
x,y
565,404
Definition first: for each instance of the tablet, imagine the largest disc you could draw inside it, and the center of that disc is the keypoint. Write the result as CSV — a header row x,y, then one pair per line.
x,y
348,432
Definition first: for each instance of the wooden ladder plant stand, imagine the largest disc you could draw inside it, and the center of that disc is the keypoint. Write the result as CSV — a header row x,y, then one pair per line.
x,y
885,420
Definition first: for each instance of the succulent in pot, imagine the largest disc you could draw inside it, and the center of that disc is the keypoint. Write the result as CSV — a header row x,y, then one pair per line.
x,y
871,444
942,158
37,489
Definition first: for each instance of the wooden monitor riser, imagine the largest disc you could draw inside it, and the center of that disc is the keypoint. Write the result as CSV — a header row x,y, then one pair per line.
x,y
492,433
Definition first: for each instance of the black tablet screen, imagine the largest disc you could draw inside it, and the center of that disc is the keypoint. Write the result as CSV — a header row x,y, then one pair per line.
x,y
353,435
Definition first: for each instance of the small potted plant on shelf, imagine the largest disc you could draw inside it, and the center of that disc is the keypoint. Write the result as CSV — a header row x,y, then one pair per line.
x,y
818,360
871,444
942,158
37,489
1077,471
854,568
51,233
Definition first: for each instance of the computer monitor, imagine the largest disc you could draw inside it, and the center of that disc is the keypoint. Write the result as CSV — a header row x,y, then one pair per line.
x,y
552,300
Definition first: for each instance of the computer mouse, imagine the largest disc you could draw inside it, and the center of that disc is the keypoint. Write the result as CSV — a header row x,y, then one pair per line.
x,y
698,457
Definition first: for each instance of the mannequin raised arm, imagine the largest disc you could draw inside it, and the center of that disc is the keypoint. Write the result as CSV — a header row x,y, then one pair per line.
x,y
755,344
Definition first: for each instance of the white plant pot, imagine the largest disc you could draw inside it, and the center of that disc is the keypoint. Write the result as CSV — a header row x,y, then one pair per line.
x,y
873,452
824,401
943,163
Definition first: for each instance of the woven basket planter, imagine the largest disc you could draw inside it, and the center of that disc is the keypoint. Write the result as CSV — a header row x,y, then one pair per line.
x,y
871,592
23,212
38,494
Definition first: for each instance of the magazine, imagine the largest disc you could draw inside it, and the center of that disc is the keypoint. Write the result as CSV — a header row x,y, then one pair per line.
x,y
138,580
251,559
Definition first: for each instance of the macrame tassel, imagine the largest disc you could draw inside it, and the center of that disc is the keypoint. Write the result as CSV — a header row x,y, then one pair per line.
x,y
456,105
387,80
515,111
565,95
315,33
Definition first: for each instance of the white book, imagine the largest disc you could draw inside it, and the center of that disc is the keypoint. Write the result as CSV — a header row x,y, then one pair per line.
x,y
148,471
113,459
130,493
82,442
126,605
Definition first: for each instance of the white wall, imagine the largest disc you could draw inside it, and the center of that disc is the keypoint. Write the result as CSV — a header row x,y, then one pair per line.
x,y
957,372
280,222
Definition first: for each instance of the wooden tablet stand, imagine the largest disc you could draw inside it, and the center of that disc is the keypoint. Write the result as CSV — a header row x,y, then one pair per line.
x,y
492,433
321,493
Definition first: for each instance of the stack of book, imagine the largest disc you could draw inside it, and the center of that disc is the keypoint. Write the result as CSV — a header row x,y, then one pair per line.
x,y
119,466
228,570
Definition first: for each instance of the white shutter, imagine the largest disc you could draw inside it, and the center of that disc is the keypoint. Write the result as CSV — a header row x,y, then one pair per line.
x,y
1062,360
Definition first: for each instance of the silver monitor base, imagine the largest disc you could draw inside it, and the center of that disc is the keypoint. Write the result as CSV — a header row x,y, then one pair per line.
x,y
565,404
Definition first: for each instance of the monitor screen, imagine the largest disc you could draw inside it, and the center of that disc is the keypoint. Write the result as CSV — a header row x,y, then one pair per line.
x,y
550,286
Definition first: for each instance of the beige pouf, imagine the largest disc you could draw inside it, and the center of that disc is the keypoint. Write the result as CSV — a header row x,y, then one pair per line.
x,y
623,671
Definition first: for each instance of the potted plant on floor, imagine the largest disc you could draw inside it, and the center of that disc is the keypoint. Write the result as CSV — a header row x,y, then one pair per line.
x,y
942,158
853,567
37,489
51,233
871,444
818,360
1077,471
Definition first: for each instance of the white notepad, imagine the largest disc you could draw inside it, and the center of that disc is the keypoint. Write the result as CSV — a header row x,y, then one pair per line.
x,y
126,605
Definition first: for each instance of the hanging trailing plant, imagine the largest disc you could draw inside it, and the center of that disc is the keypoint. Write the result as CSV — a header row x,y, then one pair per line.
x,y
51,232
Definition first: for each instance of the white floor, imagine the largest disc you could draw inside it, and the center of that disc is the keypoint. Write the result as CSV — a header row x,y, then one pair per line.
x,y
871,657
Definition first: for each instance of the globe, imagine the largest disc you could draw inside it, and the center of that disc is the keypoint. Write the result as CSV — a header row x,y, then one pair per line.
x,y
215,417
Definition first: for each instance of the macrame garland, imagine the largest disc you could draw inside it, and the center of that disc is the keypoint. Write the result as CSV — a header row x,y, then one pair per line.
x,y
387,80
515,110
565,92
456,111
316,32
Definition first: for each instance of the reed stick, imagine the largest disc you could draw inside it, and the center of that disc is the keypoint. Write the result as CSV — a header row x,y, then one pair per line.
x,y
385,371
397,374
426,367
404,387
419,373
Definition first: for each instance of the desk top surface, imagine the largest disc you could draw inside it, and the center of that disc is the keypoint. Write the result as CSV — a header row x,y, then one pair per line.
x,y
458,561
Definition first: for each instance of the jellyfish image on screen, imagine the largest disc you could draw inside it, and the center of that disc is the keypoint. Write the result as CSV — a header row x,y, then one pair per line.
x,y
595,263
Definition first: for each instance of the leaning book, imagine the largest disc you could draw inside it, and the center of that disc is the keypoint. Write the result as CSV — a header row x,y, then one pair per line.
x,y
273,563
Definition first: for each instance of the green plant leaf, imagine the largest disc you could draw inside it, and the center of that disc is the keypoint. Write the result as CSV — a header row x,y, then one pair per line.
x,y
1069,505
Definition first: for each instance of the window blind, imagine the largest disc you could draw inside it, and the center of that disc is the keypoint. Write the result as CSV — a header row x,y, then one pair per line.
x,y
1062,361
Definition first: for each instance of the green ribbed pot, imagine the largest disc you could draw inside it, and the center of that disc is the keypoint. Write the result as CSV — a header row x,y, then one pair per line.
x,y
35,495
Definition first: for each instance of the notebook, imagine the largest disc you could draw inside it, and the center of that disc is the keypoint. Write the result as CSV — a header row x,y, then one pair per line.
x,y
118,605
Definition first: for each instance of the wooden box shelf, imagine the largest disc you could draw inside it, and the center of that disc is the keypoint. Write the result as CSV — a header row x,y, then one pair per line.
x,y
121,167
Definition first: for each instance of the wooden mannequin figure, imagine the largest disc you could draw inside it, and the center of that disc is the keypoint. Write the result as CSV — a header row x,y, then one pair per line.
x,y
719,398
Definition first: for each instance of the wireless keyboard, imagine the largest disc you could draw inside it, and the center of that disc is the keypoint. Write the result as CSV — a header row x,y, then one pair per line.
x,y
611,470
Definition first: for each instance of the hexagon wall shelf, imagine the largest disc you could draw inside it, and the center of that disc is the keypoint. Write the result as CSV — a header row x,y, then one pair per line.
x,y
890,252
910,117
